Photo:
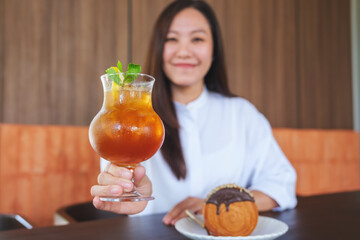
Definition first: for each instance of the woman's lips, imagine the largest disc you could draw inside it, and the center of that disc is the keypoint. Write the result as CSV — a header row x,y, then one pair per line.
x,y
184,65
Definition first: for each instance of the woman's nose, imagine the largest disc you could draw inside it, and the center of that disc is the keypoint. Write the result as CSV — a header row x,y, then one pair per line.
x,y
184,50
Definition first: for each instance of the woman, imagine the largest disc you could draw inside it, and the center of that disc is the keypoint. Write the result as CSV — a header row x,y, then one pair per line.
x,y
212,137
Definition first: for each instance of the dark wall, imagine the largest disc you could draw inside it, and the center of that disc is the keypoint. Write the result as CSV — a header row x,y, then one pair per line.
x,y
291,58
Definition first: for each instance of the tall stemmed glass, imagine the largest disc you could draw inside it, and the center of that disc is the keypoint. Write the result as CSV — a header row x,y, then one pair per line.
x,y
127,131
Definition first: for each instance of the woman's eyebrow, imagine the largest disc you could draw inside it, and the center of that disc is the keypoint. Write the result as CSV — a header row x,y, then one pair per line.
x,y
198,31
172,31
192,32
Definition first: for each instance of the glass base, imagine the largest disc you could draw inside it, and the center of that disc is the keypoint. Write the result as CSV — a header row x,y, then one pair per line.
x,y
127,197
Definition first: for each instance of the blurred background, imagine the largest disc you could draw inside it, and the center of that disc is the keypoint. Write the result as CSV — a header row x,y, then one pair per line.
x,y
296,60
291,58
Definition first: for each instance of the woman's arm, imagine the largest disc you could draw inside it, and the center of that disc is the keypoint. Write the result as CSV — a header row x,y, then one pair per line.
x,y
263,201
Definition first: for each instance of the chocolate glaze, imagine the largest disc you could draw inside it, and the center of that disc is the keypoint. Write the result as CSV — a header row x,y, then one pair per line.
x,y
228,196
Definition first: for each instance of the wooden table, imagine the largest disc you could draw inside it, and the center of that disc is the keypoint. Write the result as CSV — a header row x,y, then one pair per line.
x,y
333,216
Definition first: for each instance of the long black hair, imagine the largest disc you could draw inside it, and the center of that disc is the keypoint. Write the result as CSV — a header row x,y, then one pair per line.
x,y
215,79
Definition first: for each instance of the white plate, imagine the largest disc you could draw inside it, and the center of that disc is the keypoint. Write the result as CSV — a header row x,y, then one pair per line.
x,y
267,228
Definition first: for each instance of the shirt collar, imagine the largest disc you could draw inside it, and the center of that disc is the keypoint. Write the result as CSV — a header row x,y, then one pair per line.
x,y
196,104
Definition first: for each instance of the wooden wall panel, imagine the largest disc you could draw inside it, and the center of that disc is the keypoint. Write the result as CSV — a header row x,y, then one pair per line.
x,y
55,52
291,58
325,95
259,38
143,16
43,168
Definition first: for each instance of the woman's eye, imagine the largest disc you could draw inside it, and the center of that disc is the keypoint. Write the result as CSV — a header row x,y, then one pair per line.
x,y
197,39
170,39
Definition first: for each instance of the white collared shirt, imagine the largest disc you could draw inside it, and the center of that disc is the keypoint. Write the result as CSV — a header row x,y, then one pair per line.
x,y
224,140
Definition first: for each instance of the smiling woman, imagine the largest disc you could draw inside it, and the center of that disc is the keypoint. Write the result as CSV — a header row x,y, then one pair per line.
x,y
188,54
211,136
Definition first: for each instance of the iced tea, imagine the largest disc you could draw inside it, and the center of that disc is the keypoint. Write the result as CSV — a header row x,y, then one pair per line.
x,y
127,130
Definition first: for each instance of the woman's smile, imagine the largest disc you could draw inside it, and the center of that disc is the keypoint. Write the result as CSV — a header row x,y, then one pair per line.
x,y
184,65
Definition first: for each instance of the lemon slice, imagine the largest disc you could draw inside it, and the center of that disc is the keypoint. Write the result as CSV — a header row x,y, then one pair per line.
x,y
115,86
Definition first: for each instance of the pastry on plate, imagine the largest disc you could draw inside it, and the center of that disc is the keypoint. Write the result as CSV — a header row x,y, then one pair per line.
x,y
230,210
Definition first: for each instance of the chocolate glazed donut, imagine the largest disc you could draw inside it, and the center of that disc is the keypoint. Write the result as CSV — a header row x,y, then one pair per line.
x,y
230,210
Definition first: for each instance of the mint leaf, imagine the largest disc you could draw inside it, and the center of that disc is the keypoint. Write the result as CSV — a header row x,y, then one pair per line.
x,y
119,65
116,73
133,68
131,73
111,70
130,77
113,75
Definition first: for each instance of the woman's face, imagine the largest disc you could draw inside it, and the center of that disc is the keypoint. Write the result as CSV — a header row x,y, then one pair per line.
x,y
188,49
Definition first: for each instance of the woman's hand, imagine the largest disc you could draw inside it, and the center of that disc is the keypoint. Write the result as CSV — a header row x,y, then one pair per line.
x,y
263,201
192,203
113,181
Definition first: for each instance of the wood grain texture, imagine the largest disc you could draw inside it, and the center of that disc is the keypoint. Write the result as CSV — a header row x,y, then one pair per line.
x,y
43,168
325,95
326,161
55,53
259,38
143,16
291,58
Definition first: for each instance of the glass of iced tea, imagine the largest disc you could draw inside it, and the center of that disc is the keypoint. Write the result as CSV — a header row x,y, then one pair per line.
x,y
127,131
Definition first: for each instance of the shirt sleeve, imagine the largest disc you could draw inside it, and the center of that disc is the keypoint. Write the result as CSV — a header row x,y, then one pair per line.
x,y
272,173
